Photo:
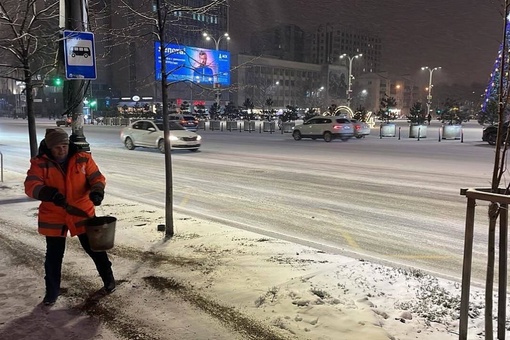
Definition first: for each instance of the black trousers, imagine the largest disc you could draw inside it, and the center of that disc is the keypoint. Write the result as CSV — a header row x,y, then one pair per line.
x,y
55,248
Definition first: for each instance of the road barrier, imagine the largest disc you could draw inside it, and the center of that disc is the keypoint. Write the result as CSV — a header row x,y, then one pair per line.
x,y
269,127
249,125
231,125
215,125
117,121
287,127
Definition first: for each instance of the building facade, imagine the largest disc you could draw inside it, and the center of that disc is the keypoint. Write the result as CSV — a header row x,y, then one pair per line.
x,y
283,42
329,42
370,88
287,83
125,48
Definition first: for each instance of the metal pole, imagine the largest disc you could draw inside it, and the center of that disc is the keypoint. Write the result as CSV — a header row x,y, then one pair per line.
x,y
216,85
74,90
502,277
466,268
429,97
349,82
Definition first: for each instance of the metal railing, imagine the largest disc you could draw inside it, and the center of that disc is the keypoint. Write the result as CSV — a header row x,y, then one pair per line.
x,y
503,200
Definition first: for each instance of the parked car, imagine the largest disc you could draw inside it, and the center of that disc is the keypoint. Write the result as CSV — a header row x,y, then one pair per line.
x,y
189,122
361,129
66,121
327,127
150,134
490,133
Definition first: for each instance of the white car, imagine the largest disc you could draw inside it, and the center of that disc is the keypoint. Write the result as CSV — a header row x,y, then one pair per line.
x,y
326,127
150,134
361,129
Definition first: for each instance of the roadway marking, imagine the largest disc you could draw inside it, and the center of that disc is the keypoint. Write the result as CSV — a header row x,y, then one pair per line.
x,y
347,236
350,240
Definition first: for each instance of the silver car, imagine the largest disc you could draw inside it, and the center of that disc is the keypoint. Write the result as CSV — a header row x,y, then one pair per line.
x,y
326,127
150,134
361,129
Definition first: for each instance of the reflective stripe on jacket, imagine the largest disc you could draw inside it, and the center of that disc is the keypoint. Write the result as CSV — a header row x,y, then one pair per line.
x,y
81,177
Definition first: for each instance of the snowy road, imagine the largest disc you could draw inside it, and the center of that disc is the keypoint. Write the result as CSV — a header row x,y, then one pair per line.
x,y
387,200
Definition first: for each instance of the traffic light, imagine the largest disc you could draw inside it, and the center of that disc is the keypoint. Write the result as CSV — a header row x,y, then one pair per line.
x,y
57,81
92,103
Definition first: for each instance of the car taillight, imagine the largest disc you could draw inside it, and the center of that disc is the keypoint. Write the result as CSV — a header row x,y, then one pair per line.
x,y
182,121
336,127
357,126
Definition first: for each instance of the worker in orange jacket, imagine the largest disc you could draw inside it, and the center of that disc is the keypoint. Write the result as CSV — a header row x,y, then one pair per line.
x,y
62,177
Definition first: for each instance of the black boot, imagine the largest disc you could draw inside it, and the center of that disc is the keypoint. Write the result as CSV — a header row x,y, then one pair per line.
x,y
49,299
109,283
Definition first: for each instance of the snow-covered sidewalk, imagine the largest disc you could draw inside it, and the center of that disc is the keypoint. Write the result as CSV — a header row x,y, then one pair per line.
x,y
213,282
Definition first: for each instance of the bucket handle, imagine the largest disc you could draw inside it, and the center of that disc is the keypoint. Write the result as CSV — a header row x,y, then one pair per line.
x,y
102,210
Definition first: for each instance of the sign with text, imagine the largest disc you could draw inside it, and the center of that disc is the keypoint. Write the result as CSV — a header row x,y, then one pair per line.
x,y
79,55
199,65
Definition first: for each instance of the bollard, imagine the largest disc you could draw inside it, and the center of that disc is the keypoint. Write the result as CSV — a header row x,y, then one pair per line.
x,y
260,128
462,135
419,132
240,127
380,131
1,167
221,126
439,133
399,132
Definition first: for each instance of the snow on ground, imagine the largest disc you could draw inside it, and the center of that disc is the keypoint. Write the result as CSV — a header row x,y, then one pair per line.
x,y
213,282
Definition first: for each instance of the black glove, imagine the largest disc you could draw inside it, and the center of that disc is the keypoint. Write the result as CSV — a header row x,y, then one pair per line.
x,y
59,200
96,197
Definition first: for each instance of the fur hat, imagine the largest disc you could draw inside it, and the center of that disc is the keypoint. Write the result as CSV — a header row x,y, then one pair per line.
x,y
56,136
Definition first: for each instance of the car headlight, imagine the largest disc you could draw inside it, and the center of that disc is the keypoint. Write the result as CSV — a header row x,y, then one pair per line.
x,y
199,137
173,138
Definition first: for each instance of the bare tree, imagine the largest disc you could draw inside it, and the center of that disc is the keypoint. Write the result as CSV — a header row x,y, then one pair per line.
x,y
145,25
28,46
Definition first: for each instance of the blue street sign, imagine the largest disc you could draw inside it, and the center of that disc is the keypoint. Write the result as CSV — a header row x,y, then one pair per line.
x,y
79,55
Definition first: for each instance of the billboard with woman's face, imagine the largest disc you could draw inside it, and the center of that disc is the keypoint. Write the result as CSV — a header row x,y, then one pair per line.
x,y
199,65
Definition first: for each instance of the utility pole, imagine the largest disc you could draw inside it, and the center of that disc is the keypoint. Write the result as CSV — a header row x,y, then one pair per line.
x,y
349,81
429,96
74,89
217,41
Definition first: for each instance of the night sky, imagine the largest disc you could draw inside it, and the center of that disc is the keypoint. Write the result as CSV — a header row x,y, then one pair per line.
x,y
461,36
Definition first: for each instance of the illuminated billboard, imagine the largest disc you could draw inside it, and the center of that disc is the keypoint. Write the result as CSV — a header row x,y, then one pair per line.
x,y
199,65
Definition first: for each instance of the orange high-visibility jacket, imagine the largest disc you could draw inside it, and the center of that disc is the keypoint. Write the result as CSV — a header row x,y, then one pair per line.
x,y
81,177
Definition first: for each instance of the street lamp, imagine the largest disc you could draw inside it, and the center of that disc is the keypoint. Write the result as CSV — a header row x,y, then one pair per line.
x,y
349,82
217,41
429,97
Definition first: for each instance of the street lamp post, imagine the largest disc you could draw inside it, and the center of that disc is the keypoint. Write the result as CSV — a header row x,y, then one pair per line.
x,y
349,82
429,96
217,41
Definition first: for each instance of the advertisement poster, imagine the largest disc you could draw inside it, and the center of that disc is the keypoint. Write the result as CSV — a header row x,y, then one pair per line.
x,y
200,65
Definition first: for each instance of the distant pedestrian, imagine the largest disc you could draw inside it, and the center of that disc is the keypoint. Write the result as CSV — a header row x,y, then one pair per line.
x,y
61,175
429,118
